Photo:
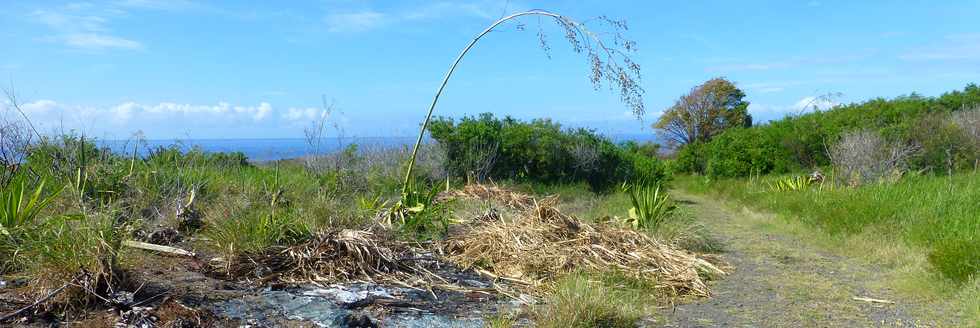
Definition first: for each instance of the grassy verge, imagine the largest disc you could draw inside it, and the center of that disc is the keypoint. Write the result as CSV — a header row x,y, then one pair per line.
x,y
924,230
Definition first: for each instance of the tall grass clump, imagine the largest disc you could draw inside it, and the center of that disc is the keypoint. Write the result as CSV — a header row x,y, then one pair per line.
x,y
65,246
582,300
248,231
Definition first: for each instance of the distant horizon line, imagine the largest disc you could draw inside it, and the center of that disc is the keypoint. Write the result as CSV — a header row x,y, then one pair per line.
x,y
331,137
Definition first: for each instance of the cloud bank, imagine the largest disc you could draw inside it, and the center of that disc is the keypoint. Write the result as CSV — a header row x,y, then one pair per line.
x,y
167,119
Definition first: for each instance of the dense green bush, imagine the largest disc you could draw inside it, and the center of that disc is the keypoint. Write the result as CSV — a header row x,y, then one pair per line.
x,y
690,159
539,150
743,152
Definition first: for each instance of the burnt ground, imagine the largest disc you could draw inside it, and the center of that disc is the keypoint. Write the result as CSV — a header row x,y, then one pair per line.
x,y
170,291
781,280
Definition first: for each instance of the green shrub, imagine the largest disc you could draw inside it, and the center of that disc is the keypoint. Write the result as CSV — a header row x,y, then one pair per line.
x,y
62,246
539,151
743,152
691,158
796,183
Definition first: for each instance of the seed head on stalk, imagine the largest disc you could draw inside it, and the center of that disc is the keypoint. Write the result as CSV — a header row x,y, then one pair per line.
x,y
605,48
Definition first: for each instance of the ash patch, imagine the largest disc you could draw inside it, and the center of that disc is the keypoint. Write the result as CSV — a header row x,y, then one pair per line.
x,y
362,305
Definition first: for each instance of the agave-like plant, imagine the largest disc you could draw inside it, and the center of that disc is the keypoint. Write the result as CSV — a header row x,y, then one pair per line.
x,y
18,209
418,213
791,184
18,212
652,206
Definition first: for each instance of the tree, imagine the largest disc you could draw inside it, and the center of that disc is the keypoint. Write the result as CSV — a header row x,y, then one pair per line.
x,y
704,112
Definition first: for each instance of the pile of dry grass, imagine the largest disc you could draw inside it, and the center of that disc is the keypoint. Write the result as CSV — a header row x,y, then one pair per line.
x,y
543,244
334,256
480,191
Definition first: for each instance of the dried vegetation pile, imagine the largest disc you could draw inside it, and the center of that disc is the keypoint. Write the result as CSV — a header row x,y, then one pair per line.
x,y
542,243
526,252
334,256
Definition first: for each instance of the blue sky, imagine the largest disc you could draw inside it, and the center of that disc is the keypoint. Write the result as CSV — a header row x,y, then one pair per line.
x,y
250,69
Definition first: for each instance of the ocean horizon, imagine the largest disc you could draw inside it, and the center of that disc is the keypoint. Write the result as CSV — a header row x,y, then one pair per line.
x,y
270,149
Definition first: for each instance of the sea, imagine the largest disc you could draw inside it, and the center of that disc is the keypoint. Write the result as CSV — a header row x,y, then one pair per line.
x,y
271,149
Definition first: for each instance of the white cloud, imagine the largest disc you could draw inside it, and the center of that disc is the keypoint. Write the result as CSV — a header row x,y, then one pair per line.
x,y
763,112
303,114
130,116
42,106
83,26
813,102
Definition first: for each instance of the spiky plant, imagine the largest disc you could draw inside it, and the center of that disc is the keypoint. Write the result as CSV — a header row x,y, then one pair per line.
x,y
796,183
651,206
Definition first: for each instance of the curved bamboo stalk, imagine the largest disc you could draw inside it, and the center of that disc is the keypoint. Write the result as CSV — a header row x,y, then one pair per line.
x,y
445,80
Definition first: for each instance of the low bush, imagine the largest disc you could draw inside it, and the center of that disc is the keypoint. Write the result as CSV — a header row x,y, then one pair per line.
x,y
865,157
540,151
745,151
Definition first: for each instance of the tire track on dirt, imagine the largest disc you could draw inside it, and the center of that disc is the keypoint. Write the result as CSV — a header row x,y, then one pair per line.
x,y
780,280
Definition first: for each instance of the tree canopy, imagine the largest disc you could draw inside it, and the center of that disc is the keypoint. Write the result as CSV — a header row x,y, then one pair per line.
x,y
704,112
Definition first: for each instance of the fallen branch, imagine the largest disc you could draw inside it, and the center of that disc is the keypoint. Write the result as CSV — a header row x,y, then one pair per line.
x,y
41,300
158,248
872,300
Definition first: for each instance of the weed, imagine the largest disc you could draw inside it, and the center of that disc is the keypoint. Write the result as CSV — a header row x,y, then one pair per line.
x,y
580,301
238,226
418,214
796,183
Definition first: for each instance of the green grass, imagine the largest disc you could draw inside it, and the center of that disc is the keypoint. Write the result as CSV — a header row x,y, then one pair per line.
x,y
923,231
941,214
586,300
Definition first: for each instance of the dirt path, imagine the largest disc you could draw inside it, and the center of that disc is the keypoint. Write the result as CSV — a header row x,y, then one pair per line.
x,y
780,280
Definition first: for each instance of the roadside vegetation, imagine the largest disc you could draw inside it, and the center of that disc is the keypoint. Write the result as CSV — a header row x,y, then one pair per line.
x,y
578,229
70,207
871,177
